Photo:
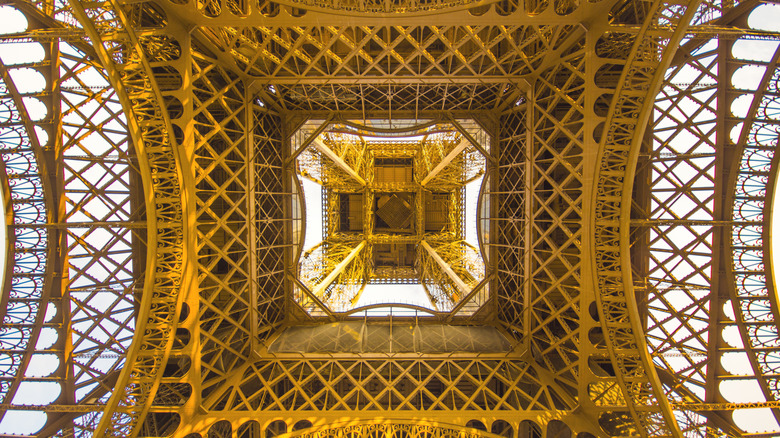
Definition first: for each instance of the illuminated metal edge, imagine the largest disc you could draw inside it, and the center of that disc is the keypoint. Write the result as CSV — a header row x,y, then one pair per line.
x,y
374,7
618,155
395,427
484,196
301,200
150,128
14,221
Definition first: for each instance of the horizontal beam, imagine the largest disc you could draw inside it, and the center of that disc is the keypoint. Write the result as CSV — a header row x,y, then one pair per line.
x,y
54,408
68,225
324,16
454,80
725,406
64,34
328,152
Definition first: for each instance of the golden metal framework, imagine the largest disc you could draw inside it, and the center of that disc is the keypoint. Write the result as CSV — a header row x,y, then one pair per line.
x,y
357,168
154,217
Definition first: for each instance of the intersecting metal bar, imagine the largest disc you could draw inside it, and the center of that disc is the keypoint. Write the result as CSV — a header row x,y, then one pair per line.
x,y
445,161
725,406
318,302
320,288
328,152
469,296
316,133
68,225
472,140
460,284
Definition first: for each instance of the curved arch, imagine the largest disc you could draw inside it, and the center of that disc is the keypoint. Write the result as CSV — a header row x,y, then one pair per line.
x,y
751,204
150,128
618,155
383,305
417,129
484,197
414,7
36,215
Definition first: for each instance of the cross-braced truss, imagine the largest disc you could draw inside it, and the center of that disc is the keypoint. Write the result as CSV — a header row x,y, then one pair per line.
x,y
155,219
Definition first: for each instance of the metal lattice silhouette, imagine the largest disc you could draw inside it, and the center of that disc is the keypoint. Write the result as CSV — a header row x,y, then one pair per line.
x,y
157,285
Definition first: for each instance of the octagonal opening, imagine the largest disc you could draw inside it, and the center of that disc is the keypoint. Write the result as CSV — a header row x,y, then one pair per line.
x,y
391,221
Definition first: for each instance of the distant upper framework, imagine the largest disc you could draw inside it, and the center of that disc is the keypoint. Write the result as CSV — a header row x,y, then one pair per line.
x,y
393,212
155,162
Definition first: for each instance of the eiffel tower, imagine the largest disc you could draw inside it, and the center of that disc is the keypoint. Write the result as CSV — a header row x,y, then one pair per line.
x,y
389,218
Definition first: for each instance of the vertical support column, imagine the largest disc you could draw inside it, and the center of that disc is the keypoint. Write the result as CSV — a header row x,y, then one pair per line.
x,y
724,154
591,151
53,153
528,213
251,207
190,293
289,156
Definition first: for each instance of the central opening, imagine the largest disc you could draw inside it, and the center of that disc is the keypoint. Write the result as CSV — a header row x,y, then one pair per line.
x,y
391,217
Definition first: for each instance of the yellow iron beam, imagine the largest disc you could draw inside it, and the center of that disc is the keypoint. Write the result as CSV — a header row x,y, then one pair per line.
x,y
323,285
459,283
328,152
446,161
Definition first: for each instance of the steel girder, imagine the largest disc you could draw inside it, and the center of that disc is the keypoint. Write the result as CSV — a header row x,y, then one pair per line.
x,y
576,100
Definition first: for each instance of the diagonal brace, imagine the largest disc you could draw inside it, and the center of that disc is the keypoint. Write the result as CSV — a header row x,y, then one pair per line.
x,y
328,152
323,285
445,161
459,283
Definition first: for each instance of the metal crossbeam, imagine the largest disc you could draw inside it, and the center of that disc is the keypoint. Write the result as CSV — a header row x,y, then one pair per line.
x,y
320,288
153,207
459,283
328,152
460,147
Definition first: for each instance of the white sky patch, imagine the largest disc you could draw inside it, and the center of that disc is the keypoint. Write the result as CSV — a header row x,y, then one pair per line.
x,y
42,365
11,20
312,196
756,420
21,53
394,293
35,108
472,196
765,17
741,391
37,393
741,105
22,422
748,77
27,80
754,50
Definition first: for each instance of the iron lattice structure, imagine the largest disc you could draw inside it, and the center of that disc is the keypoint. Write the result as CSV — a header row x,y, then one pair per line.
x,y
152,218
420,185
